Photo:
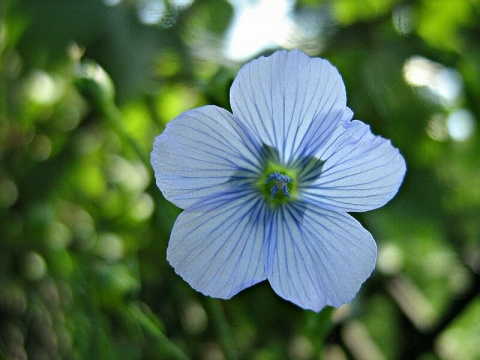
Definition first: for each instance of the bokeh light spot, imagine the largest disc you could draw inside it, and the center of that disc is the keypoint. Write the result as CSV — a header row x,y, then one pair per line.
x,y
444,85
151,12
8,193
256,26
109,246
34,266
43,88
461,124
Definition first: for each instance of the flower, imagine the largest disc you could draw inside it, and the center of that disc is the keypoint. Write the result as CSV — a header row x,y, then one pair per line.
x,y
266,190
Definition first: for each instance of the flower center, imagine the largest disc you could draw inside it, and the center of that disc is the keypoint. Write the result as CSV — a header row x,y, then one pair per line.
x,y
278,184
281,183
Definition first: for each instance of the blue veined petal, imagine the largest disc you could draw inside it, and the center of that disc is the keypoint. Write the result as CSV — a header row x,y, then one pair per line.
x,y
289,101
361,171
217,244
316,257
198,154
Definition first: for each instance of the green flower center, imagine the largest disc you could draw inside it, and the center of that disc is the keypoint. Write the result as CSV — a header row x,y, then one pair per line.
x,y
278,184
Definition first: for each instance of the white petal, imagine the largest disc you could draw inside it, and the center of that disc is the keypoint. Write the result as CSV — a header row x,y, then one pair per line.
x,y
199,153
317,257
361,171
289,101
216,246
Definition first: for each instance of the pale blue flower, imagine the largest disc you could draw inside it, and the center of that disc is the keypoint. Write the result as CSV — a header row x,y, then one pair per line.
x,y
266,190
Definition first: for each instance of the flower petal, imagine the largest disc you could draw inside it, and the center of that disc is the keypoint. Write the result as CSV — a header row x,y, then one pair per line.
x,y
360,172
216,246
289,101
317,257
198,154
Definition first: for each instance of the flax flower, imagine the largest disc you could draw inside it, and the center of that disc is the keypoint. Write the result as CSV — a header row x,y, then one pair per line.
x,y
266,189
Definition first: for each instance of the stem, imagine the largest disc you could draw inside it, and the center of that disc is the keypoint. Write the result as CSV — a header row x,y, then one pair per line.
x,y
154,329
114,117
222,328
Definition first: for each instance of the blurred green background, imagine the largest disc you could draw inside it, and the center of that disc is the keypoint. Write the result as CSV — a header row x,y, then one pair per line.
x,y
86,85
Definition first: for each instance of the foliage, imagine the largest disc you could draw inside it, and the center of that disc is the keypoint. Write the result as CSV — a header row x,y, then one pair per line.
x,y
85,86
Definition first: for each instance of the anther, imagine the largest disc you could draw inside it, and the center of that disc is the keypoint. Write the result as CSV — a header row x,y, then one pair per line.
x,y
281,183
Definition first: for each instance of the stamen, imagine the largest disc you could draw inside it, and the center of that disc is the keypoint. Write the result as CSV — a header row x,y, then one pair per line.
x,y
281,183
